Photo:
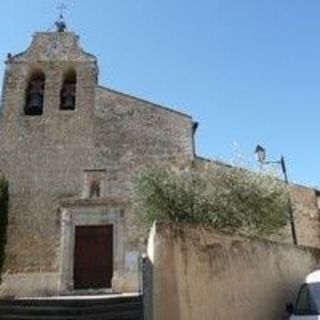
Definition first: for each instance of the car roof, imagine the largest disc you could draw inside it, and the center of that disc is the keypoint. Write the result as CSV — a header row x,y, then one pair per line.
x,y
313,277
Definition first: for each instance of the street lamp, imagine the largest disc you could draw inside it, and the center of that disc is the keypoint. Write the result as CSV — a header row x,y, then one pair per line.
x,y
261,156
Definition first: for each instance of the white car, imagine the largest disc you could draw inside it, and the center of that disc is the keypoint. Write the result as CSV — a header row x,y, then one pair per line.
x,y
307,306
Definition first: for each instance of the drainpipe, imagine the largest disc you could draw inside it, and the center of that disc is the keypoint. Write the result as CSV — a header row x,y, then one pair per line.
x,y
195,126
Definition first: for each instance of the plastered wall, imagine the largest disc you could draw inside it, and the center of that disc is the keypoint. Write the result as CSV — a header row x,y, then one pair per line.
x,y
207,275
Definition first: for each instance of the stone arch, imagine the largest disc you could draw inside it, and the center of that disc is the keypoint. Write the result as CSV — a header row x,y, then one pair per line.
x,y
68,90
35,93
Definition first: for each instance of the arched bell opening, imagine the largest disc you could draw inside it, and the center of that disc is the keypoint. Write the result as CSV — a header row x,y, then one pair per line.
x,y
35,94
68,91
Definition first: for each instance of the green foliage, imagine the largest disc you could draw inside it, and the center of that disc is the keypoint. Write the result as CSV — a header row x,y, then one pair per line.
x,y
230,199
4,202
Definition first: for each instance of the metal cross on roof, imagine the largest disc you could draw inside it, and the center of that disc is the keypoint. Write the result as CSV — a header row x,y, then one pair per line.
x,y
60,24
62,8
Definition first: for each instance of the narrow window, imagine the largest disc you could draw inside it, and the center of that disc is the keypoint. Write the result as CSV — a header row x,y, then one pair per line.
x,y
35,94
68,91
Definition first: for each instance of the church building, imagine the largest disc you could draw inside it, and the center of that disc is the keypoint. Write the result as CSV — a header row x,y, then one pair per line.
x,y
69,150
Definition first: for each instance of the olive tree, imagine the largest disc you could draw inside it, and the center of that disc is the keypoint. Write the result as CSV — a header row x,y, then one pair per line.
x,y
226,198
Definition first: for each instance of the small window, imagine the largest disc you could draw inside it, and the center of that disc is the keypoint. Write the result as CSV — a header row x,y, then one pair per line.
x,y
35,94
93,184
68,91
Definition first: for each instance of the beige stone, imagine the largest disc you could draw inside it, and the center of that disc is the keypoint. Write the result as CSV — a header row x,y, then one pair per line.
x,y
204,274
48,161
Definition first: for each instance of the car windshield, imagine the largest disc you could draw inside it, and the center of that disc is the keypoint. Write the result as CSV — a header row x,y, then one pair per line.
x,y
308,301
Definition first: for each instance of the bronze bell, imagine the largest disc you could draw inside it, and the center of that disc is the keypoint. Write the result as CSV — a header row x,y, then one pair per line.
x,y
35,104
35,100
69,102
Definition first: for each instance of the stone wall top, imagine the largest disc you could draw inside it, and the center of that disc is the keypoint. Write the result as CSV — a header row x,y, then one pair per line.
x,y
108,93
197,273
59,46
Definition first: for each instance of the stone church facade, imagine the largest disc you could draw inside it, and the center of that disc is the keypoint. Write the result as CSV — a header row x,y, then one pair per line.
x,y
69,149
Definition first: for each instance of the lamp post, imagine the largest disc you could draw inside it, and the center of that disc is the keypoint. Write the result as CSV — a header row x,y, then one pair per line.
x,y
261,156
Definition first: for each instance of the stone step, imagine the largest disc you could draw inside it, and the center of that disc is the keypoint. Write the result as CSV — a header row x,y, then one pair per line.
x,y
136,315
58,310
68,310
71,302
124,308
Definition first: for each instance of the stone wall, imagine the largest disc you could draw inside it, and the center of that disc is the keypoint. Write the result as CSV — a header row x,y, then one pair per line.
x,y
306,214
47,159
305,205
204,274
41,157
131,135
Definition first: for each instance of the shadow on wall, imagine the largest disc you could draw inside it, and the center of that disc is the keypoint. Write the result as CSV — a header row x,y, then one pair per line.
x,y
147,281
4,206
195,273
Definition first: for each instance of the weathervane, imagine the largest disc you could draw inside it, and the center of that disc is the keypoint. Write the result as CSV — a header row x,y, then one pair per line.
x,y
60,24
62,7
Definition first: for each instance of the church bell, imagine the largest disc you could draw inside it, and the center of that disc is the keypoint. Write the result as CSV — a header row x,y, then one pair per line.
x,y
68,102
34,106
35,100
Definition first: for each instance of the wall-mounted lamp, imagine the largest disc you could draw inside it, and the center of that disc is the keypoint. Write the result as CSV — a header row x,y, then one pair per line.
x,y
261,156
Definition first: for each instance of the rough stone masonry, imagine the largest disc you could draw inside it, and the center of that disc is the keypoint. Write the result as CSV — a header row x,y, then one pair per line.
x,y
52,159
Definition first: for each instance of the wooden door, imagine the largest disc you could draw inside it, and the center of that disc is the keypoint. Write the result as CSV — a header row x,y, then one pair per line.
x,y
93,257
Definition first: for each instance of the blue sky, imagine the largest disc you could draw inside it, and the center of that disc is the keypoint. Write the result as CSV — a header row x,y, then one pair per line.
x,y
248,71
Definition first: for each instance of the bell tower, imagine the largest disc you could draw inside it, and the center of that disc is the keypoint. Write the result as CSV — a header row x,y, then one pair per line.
x,y
54,75
46,141
49,92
